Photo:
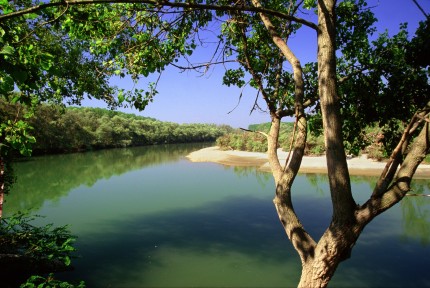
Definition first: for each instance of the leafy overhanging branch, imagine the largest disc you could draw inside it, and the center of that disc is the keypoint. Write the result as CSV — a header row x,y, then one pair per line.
x,y
187,5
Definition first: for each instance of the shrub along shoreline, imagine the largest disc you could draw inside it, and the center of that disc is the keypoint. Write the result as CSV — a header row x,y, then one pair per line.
x,y
373,142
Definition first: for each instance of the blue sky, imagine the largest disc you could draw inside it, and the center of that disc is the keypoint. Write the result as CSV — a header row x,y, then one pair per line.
x,y
189,97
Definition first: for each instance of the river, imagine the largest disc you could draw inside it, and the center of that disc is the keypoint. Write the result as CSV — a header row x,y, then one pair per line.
x,y
148,217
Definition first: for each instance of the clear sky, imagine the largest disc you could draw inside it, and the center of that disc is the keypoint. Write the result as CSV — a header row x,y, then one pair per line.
x,y
189,97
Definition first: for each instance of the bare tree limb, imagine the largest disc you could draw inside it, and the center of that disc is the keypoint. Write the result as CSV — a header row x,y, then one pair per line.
x,y
202,65
253,131
388,173
420,8
415,194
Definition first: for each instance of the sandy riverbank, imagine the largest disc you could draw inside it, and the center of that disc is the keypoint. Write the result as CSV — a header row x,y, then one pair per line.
x,y
357,165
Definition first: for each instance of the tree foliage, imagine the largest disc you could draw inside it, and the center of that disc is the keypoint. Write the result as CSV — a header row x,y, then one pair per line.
x,y
26,249
59,129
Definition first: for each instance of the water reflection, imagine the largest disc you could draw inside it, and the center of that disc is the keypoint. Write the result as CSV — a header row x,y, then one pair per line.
x,y
415,220
53,177
263,178
148,217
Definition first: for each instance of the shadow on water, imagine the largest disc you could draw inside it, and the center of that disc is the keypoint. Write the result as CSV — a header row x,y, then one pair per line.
x,y
233,228
237,242
215,227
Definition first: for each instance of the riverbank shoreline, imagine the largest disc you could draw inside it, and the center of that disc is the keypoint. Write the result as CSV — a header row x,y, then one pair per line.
x,y
310,164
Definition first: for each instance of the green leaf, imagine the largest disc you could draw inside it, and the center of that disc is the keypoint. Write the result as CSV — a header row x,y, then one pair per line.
x,y
309,4
7,50
46,61
31,16
6,83
121,97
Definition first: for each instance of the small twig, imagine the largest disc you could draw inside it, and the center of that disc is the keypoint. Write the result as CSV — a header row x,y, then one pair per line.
x,y
259,132
415,194
203,65
423,118
45,23
291,143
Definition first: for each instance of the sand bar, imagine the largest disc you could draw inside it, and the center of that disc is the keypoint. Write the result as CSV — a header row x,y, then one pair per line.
x,y
357,165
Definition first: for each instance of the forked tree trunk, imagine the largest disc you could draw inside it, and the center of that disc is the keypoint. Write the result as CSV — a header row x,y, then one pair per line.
x,y
321,259
333,247
336,243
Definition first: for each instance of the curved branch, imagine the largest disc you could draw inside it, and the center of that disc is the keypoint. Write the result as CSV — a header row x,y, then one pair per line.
x,y
401,186
284,177
395,158
162,4
294,165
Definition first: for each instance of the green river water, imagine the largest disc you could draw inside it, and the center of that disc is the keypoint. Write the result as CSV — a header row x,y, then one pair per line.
x,y
148,217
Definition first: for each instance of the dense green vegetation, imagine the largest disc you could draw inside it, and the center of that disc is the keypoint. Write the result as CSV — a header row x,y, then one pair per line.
x,y
373,140
26,249
59,129
254,141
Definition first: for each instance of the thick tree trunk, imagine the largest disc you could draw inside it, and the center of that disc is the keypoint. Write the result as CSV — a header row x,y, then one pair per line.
x,y
334,247
340,187
336,243
321,259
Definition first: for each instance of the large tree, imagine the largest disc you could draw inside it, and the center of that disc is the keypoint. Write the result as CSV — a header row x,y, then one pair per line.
x,y
143,37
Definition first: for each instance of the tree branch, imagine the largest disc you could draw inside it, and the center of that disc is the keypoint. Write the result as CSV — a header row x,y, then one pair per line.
x,y
420,8
388,173
284,176
350,75
203,65
253,131
399,189
255,75
162,4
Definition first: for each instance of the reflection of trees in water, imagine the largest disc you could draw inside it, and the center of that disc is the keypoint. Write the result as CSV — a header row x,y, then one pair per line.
x,y
319,182
245,171
416,213
52,177
415,209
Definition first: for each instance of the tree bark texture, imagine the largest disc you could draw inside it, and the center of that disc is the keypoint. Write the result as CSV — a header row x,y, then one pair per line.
x,y
340,186
321,259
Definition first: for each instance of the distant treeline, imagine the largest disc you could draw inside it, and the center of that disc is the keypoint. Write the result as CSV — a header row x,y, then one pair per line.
x,y
372,140
58,129
256,142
